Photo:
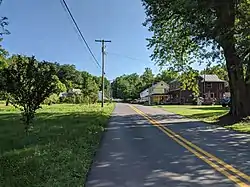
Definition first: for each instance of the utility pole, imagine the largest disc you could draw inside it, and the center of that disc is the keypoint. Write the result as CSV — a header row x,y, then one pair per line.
x,y
103,64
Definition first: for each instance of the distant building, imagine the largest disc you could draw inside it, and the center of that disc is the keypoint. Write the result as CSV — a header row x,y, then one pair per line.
x,y
177,95
211,88
144,95
75,91
156,94
70,93
100,96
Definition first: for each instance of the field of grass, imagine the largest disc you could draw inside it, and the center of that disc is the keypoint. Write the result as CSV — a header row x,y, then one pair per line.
x,y
58,151
209,114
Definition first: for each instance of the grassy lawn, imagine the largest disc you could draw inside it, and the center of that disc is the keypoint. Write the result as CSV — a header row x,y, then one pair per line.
x,y
209,114
59,150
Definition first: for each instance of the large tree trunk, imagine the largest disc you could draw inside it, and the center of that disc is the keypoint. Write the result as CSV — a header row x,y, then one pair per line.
x,y
240,102
247,77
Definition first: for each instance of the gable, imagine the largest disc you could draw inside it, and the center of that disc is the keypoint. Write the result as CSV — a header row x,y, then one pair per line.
x,y
161,84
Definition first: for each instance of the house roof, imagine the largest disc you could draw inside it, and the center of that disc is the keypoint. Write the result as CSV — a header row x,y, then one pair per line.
x,y
160,82
175,80
211,78
154,85
146,90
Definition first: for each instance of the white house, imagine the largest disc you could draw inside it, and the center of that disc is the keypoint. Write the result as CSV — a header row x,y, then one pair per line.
x,y
144,95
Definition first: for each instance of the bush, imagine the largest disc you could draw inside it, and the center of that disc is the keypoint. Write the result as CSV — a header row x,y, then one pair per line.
x,y
75,99
79,99
53,99
28,83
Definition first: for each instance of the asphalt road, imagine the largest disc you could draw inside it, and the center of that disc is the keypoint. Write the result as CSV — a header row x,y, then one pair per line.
x,y
145,146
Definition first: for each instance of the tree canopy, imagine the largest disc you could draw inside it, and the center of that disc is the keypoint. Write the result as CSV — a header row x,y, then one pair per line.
x,y
3,23
130,86
188,31
27,83
220,70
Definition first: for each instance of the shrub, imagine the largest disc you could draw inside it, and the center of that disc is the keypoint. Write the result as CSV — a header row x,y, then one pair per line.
x,y
53,99
28,83
78,99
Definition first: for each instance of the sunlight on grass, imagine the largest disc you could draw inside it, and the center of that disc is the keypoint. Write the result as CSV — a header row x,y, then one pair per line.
x,y
241,127
206,113
59,150
209,114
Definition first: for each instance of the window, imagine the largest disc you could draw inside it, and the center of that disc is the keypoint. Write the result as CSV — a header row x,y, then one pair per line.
x,y
209,85
220,86
162,84
212,95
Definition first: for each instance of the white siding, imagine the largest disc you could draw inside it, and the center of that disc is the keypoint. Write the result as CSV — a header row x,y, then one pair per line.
x,y
144,93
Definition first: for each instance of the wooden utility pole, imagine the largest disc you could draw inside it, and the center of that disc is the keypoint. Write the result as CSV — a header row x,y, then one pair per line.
x,y
103,64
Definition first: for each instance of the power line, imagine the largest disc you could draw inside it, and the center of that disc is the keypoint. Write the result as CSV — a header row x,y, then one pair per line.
x,y
128,57
64,4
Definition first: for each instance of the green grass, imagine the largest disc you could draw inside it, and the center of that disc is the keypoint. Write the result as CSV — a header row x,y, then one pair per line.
x,y
58,151
209,114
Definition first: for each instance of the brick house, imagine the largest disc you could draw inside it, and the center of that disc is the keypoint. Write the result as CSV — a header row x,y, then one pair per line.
x,y
211,88
177,95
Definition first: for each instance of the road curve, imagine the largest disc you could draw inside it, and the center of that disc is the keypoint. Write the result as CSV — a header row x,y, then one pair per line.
x,y
145,146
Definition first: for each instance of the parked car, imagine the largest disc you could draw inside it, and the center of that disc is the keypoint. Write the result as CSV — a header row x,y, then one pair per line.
x,y
226,101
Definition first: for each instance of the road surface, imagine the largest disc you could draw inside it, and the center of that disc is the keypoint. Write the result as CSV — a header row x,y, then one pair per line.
x,y
146,146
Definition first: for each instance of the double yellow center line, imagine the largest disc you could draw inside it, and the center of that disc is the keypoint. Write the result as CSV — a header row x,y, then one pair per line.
x,y
238,177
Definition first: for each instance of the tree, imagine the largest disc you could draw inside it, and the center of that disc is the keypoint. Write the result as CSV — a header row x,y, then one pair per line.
x,y
3,23
60,87
3,56
167,76
187,31
189,81
220,70
127,86
147,78
107,84
90,90
90,87
28,83
70,76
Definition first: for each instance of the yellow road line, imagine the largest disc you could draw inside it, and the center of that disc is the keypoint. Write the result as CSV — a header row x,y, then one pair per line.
x,y
191,147
229,167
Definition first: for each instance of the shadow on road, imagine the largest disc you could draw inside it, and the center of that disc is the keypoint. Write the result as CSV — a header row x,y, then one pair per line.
x,y
230,146
135,153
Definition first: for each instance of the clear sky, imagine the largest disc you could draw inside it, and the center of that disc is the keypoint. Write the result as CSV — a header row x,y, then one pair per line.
x,y
43,28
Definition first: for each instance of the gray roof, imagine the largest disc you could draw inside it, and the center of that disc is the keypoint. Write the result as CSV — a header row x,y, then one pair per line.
x,y
175,80
211,78
158,83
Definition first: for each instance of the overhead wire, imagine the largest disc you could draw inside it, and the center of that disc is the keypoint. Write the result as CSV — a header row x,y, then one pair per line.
x,y
128,57
135,59
66,8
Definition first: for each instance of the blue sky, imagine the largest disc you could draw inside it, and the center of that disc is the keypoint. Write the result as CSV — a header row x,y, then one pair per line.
x,y
42,28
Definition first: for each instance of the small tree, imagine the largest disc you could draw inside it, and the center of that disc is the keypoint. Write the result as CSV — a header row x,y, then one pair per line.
x,y
29,83
90,90
189,81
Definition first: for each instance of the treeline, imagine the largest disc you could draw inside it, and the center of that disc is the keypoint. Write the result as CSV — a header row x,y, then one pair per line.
x,y
67,78
26,83
128,87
